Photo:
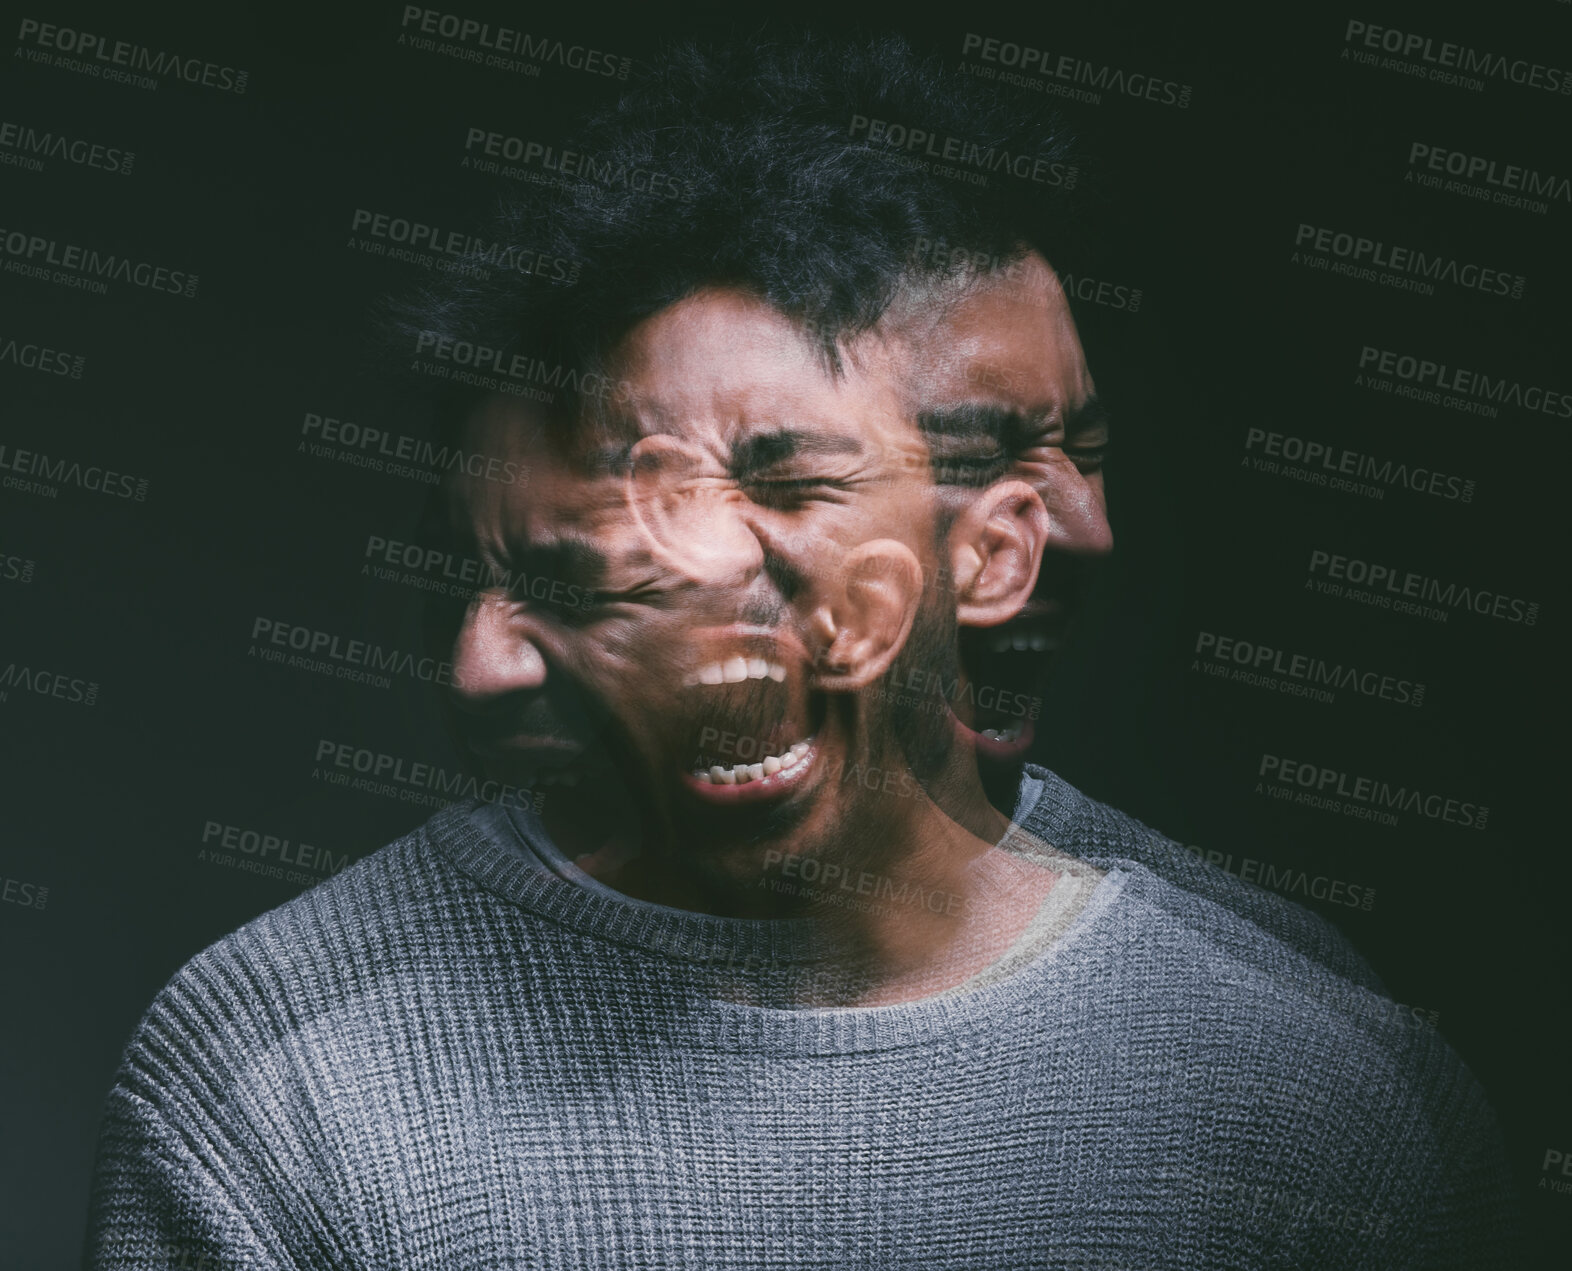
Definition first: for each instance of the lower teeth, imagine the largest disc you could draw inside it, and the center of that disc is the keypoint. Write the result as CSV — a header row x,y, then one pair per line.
x,y
1012,733
741,774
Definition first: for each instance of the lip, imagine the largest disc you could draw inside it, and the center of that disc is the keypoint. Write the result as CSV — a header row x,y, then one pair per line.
x,y
992,748
708,643
774,787
1040,608
1044,618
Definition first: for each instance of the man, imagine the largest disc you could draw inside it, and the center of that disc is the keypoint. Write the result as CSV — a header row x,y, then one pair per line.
x,y
995,374
785,1015
800,504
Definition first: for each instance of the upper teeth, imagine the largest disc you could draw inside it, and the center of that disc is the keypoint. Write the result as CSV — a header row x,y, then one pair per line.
x,y
734,671
1021,641
742,773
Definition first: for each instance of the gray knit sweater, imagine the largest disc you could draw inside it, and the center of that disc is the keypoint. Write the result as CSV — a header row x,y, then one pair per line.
x,y
451,1056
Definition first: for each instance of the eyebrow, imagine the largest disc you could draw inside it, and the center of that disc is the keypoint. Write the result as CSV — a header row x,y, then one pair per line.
x,y
972,443
571,559
760,451
986,421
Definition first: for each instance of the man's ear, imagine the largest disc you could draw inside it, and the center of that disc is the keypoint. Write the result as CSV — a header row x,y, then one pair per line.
x,y
861,628
996,548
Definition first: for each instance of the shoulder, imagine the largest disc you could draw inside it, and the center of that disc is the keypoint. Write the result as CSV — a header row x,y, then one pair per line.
x,y
1235,912
1282,1018
236,1098
318,972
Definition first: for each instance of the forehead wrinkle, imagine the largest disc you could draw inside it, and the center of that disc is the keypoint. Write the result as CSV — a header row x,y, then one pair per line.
x,y
723,372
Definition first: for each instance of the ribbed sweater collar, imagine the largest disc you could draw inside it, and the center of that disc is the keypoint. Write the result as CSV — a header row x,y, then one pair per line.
x,y
480,843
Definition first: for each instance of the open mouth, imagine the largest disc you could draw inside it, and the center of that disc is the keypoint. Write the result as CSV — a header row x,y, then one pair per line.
x,y
1006,672
734,670
1003,744
783,765
750,727
772,778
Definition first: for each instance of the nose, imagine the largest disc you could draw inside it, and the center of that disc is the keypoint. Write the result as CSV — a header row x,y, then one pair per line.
x,y
786,558
1077,515
1085,526
494,654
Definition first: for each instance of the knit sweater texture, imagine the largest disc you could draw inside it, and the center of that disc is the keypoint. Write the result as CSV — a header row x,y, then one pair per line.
x,y
452,1056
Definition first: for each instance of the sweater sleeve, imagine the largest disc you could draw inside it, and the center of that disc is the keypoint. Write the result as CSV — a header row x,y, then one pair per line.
x,y
208,1158
1470,1218
170,1200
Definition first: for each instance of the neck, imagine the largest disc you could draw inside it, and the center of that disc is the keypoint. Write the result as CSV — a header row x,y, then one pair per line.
x,y
910,895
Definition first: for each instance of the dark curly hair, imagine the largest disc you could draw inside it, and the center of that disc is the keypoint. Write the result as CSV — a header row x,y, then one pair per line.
x,y
820,176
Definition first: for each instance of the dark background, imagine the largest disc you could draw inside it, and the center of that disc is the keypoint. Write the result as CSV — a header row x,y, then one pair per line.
x,y
154,600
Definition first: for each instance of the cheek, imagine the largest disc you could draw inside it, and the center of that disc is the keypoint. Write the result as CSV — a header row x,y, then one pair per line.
x,y
1053,474
1044,471
905,512
1099,496
639,660
810,542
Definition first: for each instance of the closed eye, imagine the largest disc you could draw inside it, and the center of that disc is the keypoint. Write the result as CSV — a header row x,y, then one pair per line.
x,y
1088,458
788,491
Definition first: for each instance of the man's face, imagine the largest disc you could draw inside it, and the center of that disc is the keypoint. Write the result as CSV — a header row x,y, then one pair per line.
x,y
558,549
1000,382
751,560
